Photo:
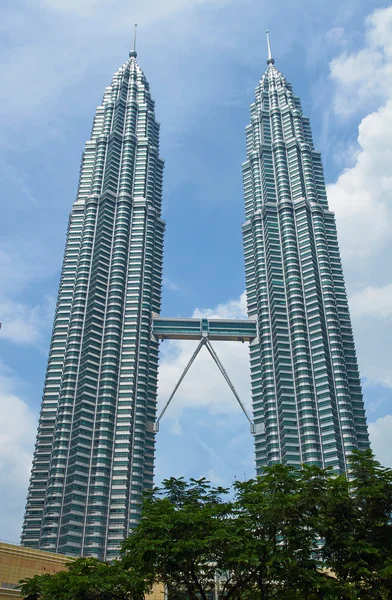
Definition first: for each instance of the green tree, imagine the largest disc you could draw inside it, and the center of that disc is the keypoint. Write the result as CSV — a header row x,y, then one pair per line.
x,y
262,545
32,588
292,534
87,579
183,538
356,526
277,519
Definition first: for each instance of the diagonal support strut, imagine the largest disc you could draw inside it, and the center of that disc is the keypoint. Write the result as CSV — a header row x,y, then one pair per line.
x,y
196,352
231,386
204,342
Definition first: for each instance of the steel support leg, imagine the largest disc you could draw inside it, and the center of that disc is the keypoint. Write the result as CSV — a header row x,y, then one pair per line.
x,y
231,386
202,343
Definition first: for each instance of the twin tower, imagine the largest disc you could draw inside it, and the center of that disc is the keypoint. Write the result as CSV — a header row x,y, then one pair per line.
x,y
94,454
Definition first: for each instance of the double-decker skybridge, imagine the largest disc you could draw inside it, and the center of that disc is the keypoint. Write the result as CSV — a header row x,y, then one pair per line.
x,y
205,330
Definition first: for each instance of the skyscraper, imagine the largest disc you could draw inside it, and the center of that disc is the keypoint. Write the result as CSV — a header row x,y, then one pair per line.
x,y
306,390
94,453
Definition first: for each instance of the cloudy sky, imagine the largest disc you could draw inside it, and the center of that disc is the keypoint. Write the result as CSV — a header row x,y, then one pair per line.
x,y
203,59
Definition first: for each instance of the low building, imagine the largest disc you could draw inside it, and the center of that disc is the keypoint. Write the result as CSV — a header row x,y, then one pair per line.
x,y
18,562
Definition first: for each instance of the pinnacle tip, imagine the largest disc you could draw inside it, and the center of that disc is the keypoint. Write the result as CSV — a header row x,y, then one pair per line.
x,y
134,53
270,60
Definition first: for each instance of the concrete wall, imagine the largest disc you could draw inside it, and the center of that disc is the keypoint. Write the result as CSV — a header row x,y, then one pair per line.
x,y
17,562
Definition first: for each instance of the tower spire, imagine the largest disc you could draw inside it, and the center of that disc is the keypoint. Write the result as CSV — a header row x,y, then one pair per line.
x,y
133,53
270,60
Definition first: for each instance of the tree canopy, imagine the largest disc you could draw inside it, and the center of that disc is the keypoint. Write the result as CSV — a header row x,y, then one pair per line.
x,y
87,579
291,534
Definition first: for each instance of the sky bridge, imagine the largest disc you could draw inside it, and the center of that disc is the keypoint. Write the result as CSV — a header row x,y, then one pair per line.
x,y
230,330
205,330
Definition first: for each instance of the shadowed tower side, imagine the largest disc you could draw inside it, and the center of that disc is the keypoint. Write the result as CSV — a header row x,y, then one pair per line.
x,y
307,397
94,453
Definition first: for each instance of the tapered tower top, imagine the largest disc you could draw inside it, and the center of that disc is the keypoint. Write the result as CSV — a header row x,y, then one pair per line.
x,y
133,53
270,60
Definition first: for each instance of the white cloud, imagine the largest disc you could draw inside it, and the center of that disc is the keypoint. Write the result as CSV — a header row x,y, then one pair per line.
x,y
216,477
362,195
373,301
23,261
380,437
47,72
151,10
336,36
18,179
371,310
170,285
23,324
17,431
365,76
374,348
234,309
22,265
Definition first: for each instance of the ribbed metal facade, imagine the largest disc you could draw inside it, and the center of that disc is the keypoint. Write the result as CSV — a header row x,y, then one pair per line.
x,y
307,398
94,454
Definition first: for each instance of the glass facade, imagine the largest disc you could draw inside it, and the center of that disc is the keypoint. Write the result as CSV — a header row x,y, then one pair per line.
x,y
306,390
94,453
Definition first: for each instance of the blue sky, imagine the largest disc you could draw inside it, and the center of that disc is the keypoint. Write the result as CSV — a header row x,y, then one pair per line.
x,y
203,59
